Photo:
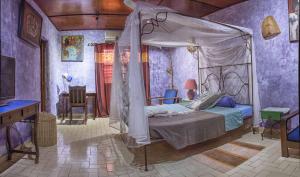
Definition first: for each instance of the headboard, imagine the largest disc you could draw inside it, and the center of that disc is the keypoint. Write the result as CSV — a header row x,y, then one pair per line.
x,y
233,80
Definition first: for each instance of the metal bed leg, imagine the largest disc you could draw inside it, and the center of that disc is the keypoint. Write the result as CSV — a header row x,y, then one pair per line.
x,y
146,160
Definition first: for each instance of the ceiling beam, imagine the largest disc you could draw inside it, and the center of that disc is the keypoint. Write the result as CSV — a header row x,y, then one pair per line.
x,y
207,4
64,15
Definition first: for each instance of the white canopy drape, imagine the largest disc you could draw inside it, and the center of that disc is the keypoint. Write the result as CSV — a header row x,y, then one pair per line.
x,y
220,44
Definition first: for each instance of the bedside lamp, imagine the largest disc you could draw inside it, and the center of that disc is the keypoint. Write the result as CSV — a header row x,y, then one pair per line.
x,y
191,85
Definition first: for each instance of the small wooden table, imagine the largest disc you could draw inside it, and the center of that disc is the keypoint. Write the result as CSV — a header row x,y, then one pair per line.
x,y
20,111
65,97
274,115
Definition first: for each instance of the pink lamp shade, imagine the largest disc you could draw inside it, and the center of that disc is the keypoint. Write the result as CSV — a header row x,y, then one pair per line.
x,y
190,84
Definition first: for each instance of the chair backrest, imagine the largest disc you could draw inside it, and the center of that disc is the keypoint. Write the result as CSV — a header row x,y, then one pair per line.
x,y
170,93
77,95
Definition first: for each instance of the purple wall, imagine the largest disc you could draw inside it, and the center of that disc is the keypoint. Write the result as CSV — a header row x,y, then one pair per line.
x,y
185,67
27,60
159,61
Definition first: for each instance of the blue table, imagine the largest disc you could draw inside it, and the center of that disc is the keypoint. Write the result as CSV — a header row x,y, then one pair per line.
x,y
20,111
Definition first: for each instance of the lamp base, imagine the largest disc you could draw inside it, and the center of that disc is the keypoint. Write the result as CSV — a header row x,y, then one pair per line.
x,y
190,94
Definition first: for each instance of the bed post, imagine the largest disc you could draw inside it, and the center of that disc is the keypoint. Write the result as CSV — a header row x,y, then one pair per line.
x,y
145,156
252,90
141,59
198,60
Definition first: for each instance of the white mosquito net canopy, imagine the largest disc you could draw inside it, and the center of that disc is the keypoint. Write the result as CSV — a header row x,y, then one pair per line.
x,y
219,45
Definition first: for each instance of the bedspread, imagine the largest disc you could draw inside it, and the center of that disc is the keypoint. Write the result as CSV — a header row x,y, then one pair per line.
x,y
187,129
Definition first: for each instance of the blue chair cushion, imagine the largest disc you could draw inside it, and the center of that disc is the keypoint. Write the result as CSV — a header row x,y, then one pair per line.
x,y
294,135
226,101
170,93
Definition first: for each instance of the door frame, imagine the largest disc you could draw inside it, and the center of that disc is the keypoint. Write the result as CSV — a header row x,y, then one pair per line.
x,y
43,71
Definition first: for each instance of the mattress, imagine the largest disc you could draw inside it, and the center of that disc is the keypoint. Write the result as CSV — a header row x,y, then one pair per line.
x,y
189,127
246,110
233,116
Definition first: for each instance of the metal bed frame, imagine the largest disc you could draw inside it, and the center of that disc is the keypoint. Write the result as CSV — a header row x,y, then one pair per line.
x,y
222,77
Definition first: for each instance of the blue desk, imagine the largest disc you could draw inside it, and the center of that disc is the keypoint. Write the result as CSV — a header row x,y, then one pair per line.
x,y
20,111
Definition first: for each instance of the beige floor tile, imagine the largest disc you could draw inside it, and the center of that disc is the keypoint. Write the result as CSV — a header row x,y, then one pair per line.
x,y
91,151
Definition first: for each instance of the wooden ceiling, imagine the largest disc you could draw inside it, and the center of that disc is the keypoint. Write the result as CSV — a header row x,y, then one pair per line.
x,y
111,14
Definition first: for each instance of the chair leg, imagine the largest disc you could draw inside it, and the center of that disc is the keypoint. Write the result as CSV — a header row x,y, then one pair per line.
x,y
285,152
71,115
85,114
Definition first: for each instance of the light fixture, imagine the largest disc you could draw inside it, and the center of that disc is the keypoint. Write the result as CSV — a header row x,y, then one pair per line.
x,y
192,48
269,28
67,77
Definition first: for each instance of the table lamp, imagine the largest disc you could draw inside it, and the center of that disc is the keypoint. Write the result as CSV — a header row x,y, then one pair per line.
x,y
191,85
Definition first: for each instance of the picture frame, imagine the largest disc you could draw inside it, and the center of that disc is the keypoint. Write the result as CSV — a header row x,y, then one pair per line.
x,y
293,18
30,24
72,48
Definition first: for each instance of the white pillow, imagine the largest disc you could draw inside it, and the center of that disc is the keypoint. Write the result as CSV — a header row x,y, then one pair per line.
x,y
204,102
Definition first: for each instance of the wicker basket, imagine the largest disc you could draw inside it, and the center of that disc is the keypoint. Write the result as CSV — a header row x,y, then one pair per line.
x,y
47,131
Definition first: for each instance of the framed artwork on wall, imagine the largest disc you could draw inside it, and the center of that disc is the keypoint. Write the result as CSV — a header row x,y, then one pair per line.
x,y
72,48
30,24
294,20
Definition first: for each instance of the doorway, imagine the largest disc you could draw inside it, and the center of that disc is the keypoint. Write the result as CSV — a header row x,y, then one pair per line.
x,y
43,74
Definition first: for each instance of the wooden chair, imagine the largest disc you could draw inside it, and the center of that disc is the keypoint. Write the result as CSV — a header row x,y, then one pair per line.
x,y
78,99
170,97
289,139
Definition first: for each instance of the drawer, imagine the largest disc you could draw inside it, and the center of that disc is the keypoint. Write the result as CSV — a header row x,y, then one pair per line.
x,y
271,115
28,111
11,117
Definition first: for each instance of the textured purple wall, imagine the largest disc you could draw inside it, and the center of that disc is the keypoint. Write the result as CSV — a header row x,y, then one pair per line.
x,y
27,59
185,67
159,61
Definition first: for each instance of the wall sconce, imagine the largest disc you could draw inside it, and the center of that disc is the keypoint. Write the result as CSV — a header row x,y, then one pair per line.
x,y
192,49
269,28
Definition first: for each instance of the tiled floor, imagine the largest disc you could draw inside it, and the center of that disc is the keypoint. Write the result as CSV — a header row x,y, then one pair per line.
x,y
92,150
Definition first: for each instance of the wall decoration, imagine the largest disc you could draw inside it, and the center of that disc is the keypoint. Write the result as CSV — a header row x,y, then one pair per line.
x,y
30,24
269,28
294,20
72,48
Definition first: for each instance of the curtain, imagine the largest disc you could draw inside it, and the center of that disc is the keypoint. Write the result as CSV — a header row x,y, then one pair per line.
x,y
103,75
146,72
104,55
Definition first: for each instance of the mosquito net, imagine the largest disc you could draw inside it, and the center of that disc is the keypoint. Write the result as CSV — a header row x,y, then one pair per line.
x,y
220,45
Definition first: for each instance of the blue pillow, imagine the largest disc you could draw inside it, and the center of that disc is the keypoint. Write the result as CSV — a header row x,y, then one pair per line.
x,y
226,101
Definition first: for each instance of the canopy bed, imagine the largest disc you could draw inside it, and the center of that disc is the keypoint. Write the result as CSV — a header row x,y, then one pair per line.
x,y
226,65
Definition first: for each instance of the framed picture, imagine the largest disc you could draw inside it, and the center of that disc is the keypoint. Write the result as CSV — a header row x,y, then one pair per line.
x,y
72,48
30,24
294,20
